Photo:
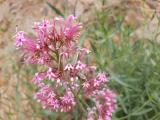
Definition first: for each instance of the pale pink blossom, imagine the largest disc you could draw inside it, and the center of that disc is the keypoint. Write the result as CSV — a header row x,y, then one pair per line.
x,y
68,67
85,50
91,113
86,85
38,78
80,65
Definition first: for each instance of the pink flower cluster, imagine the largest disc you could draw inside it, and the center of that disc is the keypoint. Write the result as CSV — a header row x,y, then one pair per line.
x,y
66,78
105,104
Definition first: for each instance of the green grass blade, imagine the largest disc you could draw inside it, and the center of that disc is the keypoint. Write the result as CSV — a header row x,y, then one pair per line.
x,y
56,10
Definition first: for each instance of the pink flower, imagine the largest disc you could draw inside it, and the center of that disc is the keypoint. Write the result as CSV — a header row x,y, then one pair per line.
x,y
102,77
50,74
86,85
91,113
67,101
80,65
20,38
106,103
66,30
47,98
68,67
38,79
42,26
85,50
53,104
71,29
41,29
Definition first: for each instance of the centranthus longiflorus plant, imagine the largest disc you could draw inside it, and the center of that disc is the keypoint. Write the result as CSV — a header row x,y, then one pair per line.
x,y
67,81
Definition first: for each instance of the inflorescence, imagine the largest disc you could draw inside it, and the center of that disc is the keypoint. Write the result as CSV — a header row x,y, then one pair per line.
x,y
66,80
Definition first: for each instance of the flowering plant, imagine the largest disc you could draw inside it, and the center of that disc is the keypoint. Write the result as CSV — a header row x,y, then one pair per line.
x,y
66,82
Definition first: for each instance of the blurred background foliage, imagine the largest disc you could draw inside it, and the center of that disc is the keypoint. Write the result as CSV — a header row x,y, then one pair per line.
x,y
123,36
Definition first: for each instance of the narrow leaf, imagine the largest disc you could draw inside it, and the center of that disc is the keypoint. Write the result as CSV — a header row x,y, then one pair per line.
x,y
57,11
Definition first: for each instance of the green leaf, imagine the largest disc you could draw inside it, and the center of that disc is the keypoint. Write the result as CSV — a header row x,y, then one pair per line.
x,y
57,11
142,112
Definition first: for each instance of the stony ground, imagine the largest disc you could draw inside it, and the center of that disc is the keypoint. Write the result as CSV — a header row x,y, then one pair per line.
x,y
21,14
